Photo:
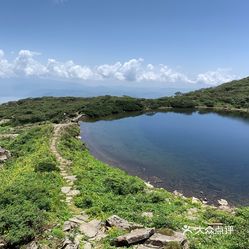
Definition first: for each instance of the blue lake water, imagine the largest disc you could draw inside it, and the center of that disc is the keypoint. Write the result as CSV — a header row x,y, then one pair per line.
x,y
202,155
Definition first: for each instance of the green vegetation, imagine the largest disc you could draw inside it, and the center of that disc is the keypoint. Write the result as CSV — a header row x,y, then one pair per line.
x,y
30,196
29,191
106,191
230,96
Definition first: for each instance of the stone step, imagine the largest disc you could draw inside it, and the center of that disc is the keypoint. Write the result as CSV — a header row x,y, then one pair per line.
x,y
66,189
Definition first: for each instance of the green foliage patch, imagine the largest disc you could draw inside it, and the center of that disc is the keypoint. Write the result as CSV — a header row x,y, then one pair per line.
x,y
29,190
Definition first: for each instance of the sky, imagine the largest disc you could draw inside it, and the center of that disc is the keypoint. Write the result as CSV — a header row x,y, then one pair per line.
x,y
77,46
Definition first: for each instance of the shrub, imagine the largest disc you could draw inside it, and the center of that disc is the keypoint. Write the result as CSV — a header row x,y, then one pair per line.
x,y
20,223
84,201
123,185
46,166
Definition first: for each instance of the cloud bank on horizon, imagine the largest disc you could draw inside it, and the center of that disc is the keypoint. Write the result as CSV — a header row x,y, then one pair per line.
x,y
25,64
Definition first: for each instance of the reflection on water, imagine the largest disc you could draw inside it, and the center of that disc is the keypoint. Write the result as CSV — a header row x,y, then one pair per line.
x,y
203,155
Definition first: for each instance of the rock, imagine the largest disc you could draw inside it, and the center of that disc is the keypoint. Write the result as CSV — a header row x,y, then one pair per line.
x,y
87,245
66,190
68,244
71,178
67,226
176,193
77,239
135,236
79,219
195,200
223,202
149,185
101,235
144,247
147,214
76,220
73,192
31,245
2,244
91,228
69,199
224,206
161,240
83,216
116,221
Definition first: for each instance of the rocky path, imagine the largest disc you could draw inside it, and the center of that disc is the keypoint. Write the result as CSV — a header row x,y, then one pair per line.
x,y
69,189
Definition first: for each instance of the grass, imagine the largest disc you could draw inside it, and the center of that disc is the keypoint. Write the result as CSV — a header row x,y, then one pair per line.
x,y
30,201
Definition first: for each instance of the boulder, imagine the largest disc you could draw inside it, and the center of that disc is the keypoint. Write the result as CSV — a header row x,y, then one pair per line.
x,y
79,219
161,240
83,216
223,202
68,225
224,206
135,236
91,228
68,244
77,239
116,221
87,245
32,245
177,193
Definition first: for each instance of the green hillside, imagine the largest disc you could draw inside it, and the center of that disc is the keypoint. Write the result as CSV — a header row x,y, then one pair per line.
x,y
229,96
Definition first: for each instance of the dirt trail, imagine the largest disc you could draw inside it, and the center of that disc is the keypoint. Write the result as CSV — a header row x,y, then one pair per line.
x,y
69,189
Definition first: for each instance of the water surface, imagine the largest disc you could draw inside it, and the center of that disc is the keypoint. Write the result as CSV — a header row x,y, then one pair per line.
x,y
202,155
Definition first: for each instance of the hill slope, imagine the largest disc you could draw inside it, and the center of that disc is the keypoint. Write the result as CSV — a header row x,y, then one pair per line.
x,y
229,96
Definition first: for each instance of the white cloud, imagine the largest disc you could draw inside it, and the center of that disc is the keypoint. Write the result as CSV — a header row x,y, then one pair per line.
x,y
216,77
5,66
27,65
134,70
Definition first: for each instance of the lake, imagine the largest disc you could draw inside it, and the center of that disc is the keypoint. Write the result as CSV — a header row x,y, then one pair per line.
x,y
202,155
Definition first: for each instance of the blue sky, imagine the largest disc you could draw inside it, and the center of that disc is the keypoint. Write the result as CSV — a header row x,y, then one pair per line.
x,y
141,43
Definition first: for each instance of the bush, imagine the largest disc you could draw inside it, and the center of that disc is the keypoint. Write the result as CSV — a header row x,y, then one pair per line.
x,y
84,201
46,166
123,185
20,223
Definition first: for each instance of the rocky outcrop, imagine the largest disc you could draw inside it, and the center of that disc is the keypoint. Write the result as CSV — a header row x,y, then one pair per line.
x,y
160,240
223,205
135,236
145,238
116,221
90,229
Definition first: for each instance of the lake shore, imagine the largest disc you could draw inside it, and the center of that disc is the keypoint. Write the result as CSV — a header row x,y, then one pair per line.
x,y
102,150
